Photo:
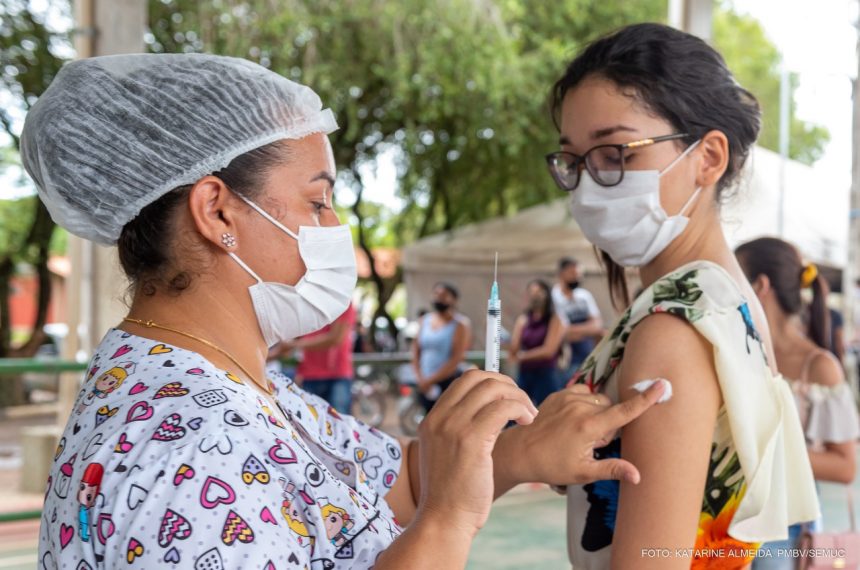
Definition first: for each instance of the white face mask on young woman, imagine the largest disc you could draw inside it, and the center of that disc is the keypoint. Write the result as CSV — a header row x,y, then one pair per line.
x,y
286,312
627,221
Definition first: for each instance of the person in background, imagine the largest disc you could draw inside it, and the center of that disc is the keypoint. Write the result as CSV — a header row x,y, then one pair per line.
x,y
325,368
825,403
837,326
535,343
837,334
443,338
361,343
578,312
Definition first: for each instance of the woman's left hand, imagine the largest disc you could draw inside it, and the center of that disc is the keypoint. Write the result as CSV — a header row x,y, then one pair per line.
x,y
558,447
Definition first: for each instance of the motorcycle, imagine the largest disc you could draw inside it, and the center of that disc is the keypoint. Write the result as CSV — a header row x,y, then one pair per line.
x,y
368,395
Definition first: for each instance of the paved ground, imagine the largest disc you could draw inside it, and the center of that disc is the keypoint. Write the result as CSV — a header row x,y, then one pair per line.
x,y
526,530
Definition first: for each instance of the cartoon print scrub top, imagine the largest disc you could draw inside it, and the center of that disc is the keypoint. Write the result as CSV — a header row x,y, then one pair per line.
x,y
170,462
759,480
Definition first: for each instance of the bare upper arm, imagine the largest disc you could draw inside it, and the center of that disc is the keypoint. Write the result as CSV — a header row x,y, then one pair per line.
x,y
517,333
670,445
339,329
462,336
554,334
826,370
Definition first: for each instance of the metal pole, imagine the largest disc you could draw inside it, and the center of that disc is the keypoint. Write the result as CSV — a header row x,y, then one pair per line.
x,y
852,269
784,141
692,16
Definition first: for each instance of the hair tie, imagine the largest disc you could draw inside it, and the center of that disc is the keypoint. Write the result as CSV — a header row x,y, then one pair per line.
x,y
809,275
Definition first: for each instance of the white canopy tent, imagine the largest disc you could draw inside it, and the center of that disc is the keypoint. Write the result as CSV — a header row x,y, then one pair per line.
x,y
531,242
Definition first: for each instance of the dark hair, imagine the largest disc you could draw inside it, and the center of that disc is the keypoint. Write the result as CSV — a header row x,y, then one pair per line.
x,y
448,287
566,262
548,306
144,245
781,263
678,77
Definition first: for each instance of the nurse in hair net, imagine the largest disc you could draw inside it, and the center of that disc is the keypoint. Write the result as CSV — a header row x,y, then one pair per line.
x,y
213,177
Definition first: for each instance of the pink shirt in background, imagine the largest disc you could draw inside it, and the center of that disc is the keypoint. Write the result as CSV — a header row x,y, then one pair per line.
x,y
333,362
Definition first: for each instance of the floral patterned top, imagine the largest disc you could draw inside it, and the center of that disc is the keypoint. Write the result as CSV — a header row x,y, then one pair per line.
x,y
757,453
170,462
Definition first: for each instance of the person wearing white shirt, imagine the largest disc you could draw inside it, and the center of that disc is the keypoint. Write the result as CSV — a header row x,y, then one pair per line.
x,y
578,312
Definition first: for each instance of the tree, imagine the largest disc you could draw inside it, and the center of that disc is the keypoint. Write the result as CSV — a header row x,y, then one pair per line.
x,y
755,62
28,63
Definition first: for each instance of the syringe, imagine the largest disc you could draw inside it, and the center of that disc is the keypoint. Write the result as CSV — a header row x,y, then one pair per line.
x,y
494,324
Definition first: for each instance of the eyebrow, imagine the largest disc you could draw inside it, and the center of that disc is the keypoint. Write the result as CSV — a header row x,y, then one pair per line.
x,y
602,133
323,175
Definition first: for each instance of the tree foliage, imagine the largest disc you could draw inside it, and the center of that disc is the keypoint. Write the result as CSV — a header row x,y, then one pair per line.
x,y
29,60
755,62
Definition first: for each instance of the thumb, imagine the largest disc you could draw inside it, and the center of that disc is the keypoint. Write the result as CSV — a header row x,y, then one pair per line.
x,y
619,469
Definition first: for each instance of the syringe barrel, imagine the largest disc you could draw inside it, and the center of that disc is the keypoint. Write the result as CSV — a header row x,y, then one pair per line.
x,y
494,334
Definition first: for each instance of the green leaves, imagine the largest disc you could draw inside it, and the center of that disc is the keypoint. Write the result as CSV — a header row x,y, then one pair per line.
x,y
755,63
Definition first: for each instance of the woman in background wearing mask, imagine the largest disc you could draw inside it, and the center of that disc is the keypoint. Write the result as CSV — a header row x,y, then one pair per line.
x,y
443,339
535,343
653,131
824,400
213,177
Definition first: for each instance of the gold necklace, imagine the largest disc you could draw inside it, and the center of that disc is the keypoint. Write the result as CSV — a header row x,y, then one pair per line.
x,y
150,324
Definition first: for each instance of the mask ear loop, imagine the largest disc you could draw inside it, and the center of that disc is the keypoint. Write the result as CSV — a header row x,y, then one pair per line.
x,y
690,201
672,164
244,266
680,157
266,215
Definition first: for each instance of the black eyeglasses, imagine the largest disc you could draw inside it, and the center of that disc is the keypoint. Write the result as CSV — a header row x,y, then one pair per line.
x,y
605,163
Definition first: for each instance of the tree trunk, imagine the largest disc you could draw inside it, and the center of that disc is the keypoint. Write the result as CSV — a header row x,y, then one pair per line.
x,y
11,387
7,270
12,390
383,292
39,236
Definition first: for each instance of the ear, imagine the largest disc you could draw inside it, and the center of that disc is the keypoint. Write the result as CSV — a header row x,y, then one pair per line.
x,y
214,210
714,150
761,285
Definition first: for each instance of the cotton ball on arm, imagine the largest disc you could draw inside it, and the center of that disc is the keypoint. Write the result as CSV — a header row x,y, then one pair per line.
x,y
643,385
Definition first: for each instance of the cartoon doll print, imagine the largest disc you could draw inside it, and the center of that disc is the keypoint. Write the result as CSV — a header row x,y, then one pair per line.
x,y
64,477
337,523
291,513
106,383
87,493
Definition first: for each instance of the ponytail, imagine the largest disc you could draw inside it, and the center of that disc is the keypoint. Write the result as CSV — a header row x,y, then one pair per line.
x,y
789,276
819,314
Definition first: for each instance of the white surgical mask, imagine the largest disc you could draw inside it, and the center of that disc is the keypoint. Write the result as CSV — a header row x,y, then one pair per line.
x,y
627,221
322,294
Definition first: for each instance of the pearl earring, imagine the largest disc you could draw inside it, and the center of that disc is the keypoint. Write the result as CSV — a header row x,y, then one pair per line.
x,y
228,240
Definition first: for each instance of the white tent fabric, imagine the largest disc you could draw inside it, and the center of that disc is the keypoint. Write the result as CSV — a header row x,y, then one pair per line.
x,y
531,242
816,212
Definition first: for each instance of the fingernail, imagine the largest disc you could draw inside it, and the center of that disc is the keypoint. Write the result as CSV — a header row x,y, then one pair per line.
x,y
643,386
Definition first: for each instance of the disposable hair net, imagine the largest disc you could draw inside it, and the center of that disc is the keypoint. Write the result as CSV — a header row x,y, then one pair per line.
x,y
113,134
